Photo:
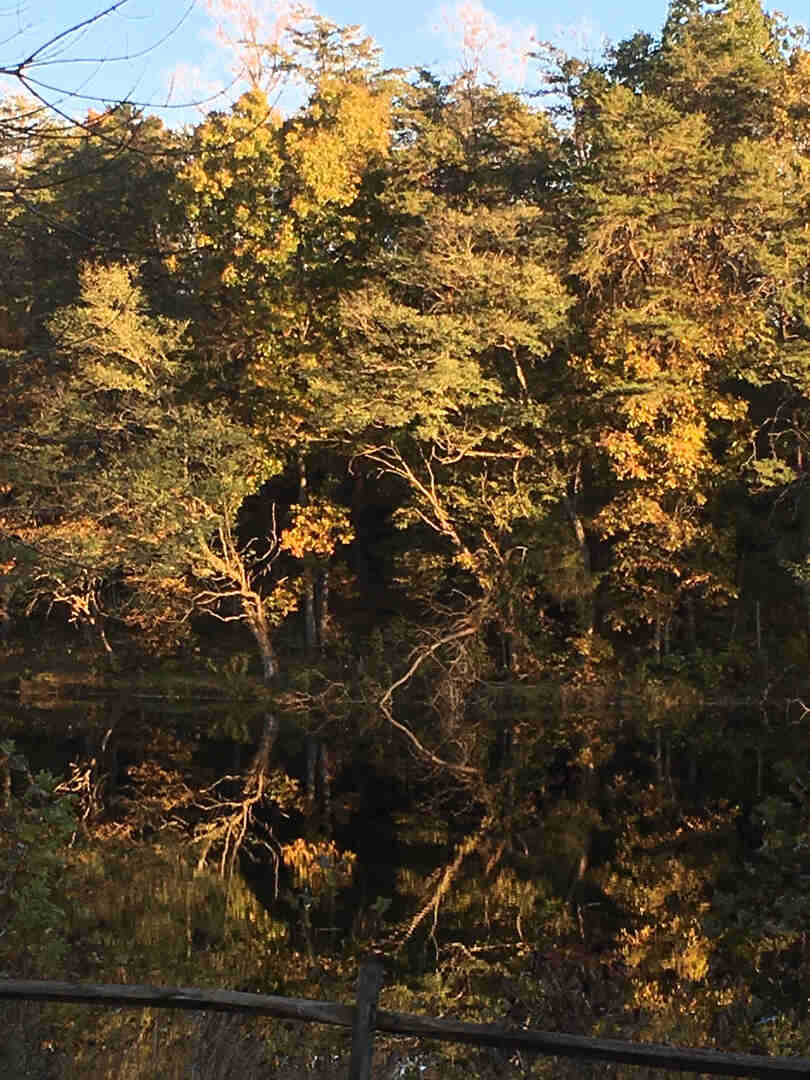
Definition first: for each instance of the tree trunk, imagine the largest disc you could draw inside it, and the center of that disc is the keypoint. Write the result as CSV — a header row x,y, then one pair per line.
x,y
657,634
313,751
310,624
585,598
691,623
507,651
325,782
269,662
310,584
258,627
321,606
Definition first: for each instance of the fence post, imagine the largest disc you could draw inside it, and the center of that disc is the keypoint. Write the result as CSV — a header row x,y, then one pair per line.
x,y
369,982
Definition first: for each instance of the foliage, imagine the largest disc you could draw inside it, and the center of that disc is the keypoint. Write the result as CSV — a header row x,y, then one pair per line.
x,y
38,826
162,478
506,402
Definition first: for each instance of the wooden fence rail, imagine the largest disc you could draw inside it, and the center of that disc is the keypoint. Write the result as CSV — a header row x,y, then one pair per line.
x,y
365,1018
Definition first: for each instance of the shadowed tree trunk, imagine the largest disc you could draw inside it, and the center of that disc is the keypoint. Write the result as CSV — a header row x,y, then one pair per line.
x,y
310,582
321,607
318,777
313,752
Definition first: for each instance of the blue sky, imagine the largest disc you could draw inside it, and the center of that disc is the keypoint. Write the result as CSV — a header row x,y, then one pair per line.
x,y
172,54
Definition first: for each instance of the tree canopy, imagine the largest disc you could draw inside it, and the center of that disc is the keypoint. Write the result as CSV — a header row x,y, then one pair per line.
x,y
483,420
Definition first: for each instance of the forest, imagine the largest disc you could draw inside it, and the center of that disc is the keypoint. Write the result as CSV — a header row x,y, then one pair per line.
x,y
405,548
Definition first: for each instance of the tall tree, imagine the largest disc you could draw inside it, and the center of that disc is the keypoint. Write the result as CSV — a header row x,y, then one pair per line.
x,y
452,350
124,477
282,214
691,264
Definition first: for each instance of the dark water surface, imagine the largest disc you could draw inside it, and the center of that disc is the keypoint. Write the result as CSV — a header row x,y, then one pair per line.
x,y
364,811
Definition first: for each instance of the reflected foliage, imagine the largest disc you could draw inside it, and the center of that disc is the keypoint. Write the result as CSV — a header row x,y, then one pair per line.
x,y
404,546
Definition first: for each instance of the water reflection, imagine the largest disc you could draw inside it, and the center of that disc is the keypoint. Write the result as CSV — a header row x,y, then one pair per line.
x,y
223,843
316,850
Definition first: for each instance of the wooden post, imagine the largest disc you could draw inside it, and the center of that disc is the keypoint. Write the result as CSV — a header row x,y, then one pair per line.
x,y
369,982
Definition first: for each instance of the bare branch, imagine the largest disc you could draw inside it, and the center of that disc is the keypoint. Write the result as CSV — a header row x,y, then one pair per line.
x,y
62,35
386,701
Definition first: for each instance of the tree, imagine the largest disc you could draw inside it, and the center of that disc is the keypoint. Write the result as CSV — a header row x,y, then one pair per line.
x,y
691,267
143,483
93,191
281,215
452,350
